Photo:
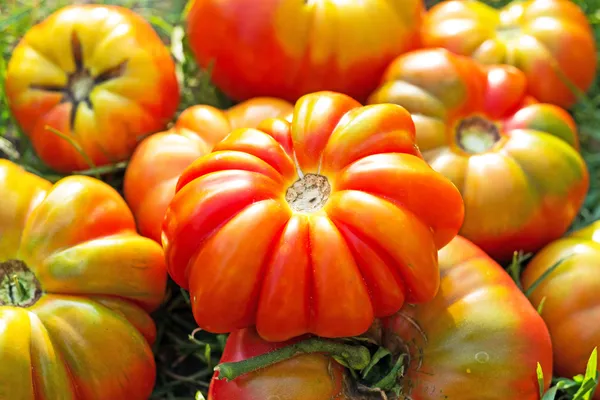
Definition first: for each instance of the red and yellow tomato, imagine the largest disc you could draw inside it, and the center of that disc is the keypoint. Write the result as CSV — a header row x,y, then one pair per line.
x,y
479,338
314,226
76,286
515,161
571,306
551,41
100,76
156,164
289,48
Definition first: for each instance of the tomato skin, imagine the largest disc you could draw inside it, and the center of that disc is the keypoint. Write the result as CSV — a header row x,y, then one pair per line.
x,y
96,275
304,377
571,297
483,337
289,48
483,341
511,202
280,281
120,94
541,37
156,164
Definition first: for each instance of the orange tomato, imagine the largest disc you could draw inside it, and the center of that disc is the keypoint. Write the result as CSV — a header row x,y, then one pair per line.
x,y
100,76
314,226
289,48
549,40
480,338
76,286
571,306
156,164
477,126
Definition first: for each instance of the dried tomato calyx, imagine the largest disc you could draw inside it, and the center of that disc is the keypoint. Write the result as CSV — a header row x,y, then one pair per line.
x,y
309,193
476,135
19,286
81,81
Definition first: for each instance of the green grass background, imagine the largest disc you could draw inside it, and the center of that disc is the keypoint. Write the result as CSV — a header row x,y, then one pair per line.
x,y
185,363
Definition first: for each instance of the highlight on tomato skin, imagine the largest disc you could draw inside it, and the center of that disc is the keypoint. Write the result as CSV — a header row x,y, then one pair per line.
x,y
568,296
318,225
478,338
551,41
289,48
90,79
73,268
477,126
157,162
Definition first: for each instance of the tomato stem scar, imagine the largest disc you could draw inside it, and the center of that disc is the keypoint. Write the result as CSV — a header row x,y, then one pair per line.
x,y
309,193
18,285
81,82
476,134
355,357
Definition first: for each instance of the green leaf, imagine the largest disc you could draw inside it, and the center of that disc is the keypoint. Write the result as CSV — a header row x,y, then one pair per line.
x,y
590,379
199,396
551,393
379,354
545,275
540,307
540,377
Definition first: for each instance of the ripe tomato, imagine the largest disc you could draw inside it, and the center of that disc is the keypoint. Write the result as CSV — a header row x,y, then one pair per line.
x,y
477,126
99,75
76,286
570,295
549,40
304,377
314,226
288,48
158,161
480,338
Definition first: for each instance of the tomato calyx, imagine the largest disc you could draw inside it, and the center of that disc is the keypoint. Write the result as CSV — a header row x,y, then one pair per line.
x,y
81,82
19,286
476,134
309,193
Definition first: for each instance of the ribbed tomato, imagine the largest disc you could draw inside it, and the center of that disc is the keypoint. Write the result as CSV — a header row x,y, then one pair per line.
x,y
314,226
288,48
99,75
571,306
156,164
549,40
76,286
480,338
477,126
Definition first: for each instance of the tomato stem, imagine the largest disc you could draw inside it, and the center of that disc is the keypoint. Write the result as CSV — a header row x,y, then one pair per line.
x,y
355,357
477,134
18,285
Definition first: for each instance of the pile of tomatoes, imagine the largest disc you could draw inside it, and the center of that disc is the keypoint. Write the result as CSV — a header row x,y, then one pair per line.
x,y
347,222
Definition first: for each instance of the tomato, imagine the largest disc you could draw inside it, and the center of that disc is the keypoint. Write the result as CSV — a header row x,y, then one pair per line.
x,y
314,226
158,161
570,296
477,126
289,48
479,338
549,40
99,75
76,286
304,377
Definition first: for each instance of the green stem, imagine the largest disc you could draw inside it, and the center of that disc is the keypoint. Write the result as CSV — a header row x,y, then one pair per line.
x,y
75,145
356,357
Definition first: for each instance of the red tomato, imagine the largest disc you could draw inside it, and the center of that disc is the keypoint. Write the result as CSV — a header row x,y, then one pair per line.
x,y
480,338
288,48
99,75
305,377
76,286
549,40
571,306
158,161
314,226
477,126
